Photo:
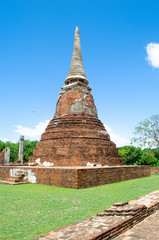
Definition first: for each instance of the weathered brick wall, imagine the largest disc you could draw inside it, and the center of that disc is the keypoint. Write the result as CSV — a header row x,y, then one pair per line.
x,y
100,176
60,177
80,177
154,170
4,172
76,140
75,136
2,157
82,98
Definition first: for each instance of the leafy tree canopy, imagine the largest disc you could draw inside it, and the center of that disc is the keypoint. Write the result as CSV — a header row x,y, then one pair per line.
x,y
136,156
147,132
14,149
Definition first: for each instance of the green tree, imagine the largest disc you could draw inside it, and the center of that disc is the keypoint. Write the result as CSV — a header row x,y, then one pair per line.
x,y
156,152
135,155
28,149
148,158
2,146
130,154
14,148
147,132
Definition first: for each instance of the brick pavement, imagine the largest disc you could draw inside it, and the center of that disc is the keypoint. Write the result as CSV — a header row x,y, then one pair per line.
x,y
110,223
148,229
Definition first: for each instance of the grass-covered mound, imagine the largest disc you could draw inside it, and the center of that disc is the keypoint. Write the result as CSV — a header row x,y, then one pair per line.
x,y
27,211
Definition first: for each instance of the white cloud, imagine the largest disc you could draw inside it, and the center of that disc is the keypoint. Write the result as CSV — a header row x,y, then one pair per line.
x,y
119,141
4,139
153,54
32,133
7,140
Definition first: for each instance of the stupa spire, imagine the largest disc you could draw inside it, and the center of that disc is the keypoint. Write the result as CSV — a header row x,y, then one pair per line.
x,y
76,68
75,136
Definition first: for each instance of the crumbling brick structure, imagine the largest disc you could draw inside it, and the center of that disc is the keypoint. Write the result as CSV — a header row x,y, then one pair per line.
x,y
76,177
2,157
112,222
75,136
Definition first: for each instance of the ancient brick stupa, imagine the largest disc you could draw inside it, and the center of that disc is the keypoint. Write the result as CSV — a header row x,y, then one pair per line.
x,y
75,136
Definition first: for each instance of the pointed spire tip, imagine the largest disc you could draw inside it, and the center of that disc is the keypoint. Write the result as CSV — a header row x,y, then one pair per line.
x,y
76,68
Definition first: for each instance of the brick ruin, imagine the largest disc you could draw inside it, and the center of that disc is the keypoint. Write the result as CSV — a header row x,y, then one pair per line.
x,y
111,222
75,177
154,170
4,156
75,136
75,151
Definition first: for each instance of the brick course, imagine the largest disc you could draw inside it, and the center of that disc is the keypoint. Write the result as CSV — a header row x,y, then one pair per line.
x,y
76,139
110,223
80,177
154,170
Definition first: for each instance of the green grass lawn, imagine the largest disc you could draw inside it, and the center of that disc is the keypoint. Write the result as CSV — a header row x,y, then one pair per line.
x,y
27,211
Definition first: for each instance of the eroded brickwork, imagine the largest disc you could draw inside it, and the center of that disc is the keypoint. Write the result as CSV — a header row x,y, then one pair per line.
x,y
2,157
154,170
91,177
80,177
110,223
76,101
75,136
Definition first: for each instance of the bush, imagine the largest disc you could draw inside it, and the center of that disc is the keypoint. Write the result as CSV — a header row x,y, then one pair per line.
x,y
132,155
28,149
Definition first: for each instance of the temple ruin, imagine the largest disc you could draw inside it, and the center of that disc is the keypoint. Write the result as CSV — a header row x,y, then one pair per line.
x,y
75,136
75,151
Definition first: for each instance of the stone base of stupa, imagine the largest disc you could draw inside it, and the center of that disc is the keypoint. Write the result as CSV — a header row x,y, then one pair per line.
x,y
76,177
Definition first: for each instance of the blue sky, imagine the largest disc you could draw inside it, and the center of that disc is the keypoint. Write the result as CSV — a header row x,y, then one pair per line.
x,y
120,50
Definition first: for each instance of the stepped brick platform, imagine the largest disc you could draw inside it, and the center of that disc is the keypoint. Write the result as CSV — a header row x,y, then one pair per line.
x,y
110,223
16,180
77,177
13,183
75,141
